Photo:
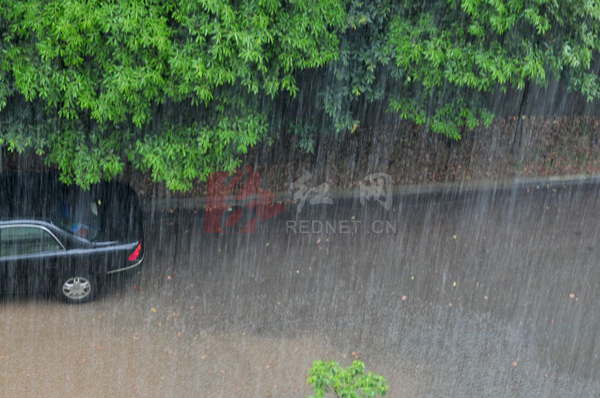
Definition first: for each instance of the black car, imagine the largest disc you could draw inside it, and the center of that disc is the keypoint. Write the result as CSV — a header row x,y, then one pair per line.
x,y
62,239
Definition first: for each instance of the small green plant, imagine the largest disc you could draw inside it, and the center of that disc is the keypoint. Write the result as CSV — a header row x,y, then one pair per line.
x,y
350,382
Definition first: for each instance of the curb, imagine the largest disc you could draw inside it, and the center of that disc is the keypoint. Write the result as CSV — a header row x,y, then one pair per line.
x,y
162,204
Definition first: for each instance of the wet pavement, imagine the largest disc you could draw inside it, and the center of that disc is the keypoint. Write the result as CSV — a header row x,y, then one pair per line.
x,y
455,294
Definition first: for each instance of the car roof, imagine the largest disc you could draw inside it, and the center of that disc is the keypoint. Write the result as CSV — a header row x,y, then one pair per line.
x,y
25,221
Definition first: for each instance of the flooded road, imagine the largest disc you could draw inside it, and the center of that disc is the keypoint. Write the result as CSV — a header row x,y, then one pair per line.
x,y
450,294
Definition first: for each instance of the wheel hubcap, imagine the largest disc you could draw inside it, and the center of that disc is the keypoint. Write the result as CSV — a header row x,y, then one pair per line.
x,y
77,288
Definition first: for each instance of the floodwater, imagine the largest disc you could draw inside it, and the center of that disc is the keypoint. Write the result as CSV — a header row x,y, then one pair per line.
x,y
480,293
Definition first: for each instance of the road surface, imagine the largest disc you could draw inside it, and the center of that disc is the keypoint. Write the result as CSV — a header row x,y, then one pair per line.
x,y
485,293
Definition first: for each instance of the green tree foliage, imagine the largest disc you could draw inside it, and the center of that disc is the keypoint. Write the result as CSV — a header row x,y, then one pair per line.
x,y
172,86
181,88
435,62
351,382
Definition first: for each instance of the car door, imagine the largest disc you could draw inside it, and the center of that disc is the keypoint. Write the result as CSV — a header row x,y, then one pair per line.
x,y
27,256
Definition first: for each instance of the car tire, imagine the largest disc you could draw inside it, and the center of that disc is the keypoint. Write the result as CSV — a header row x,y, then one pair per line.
x,y
77,287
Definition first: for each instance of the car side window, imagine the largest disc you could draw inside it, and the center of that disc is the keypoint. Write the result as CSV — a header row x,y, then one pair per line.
x,y
22,240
